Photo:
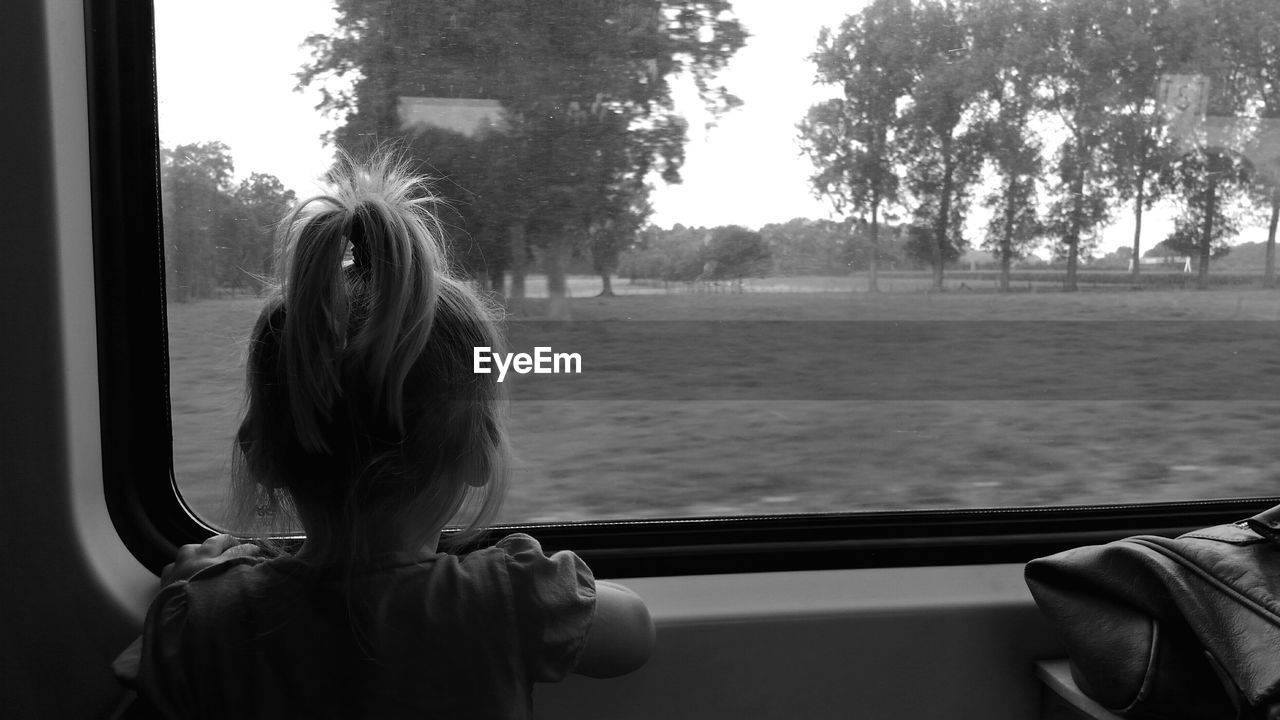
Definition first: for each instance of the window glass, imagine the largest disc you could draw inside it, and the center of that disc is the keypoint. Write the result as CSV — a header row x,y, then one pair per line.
x,y
895,254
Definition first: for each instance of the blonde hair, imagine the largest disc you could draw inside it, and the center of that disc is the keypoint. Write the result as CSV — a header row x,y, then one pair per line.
x,y
361,401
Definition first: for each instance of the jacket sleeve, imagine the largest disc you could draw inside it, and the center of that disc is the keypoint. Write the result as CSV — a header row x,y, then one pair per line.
x,y
554,600
158,666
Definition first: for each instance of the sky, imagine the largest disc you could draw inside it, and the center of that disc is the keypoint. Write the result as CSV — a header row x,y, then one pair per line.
x,y
226,72
748,169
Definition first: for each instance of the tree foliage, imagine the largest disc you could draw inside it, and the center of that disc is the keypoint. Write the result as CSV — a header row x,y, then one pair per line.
x,y
853,139
584,87
734,253
1210,185
218,235
1011,67
1061,101
906,121
257,205
944,140
802,246
196,182
675,255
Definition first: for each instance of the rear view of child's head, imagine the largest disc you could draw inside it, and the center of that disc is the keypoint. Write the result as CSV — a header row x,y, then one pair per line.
x,y
363,411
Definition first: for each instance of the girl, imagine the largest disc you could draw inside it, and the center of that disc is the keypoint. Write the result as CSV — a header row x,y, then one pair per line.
x,y
365,423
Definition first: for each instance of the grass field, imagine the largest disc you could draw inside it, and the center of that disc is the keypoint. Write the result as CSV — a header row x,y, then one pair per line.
x,y
631,456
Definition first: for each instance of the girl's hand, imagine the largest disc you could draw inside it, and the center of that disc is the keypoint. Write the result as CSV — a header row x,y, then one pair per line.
x,y
194,558
621,637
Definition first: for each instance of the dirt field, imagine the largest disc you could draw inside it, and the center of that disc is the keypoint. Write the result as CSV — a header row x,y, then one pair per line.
x,y
640,450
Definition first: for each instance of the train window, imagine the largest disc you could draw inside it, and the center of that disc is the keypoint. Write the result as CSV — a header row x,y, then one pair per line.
x,y
912,258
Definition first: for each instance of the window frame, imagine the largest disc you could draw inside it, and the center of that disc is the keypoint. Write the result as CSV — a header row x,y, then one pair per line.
x,y
152,519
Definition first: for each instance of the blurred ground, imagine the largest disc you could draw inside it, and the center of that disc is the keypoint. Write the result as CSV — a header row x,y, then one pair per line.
x,y
588,459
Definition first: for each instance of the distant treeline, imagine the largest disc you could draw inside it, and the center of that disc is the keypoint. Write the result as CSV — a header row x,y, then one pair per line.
x,y
1053,116
805,246
217,233
1056,276
800,246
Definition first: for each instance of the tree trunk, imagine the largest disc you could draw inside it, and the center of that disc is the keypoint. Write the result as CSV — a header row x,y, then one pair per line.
x,y
1076,222
1206,239
873,262
1073,259
1271,239
944,212
519,258
1005,261
1137,227
557,285
1006,242
607,282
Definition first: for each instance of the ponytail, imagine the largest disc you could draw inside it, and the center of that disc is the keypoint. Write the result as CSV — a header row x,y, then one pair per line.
x,y
314,333
396,256
371,319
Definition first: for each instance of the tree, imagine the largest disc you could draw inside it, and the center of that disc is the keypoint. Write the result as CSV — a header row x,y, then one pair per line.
x,y
1151,42
1214,171
217,235
1007,44
257,205
1266,192
1121,257
1013,228
675,255
611,201
1257,45
921,248
615,230
853,139
735,253
196,182
802,246
1210,183
1084,76
583,85
468,184
944,144
855,246
911,85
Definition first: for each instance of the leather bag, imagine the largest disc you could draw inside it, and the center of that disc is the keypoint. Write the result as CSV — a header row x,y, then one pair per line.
x,y
1172,628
